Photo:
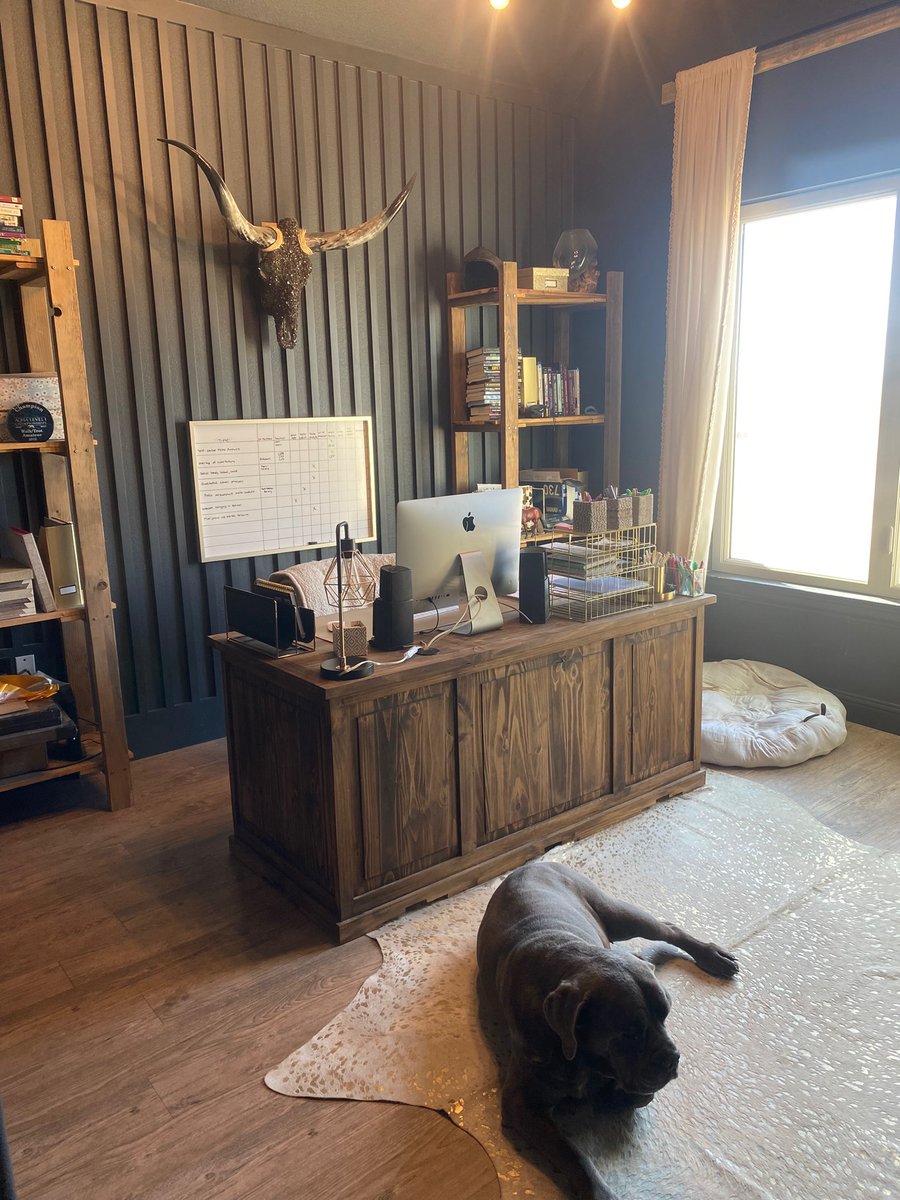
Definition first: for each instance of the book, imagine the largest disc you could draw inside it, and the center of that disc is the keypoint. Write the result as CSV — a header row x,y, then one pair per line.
x,y
23,548
530,393
39,714
10,199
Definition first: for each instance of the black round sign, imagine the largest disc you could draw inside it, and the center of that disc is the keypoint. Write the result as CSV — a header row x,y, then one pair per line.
x,y
30,422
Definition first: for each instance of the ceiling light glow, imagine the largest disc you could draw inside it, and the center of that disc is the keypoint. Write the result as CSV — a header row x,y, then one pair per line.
x,y
499,3
621,3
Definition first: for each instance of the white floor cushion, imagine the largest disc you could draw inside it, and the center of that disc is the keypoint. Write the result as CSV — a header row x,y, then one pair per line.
x,y
759,715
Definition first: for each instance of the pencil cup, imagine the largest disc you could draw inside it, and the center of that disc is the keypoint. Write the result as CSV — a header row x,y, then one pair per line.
x,y
642,509
662,588
691,581
620,513
589,516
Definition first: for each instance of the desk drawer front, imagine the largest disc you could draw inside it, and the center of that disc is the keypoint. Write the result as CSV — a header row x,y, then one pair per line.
x,y
544,730
407,783
656,701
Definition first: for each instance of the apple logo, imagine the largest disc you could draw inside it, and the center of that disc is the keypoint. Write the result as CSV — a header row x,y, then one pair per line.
x,y
468,523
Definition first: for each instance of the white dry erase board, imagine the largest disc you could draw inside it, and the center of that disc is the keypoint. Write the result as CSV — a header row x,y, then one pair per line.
x,y
263,487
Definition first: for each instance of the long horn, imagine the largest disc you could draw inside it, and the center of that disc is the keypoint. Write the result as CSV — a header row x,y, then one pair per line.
x,y
259,235
360,233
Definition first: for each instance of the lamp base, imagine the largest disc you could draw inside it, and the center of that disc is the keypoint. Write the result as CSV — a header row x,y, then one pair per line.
x,y
357,668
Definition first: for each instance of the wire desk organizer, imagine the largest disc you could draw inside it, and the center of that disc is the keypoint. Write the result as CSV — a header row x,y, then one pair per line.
x,y
595,575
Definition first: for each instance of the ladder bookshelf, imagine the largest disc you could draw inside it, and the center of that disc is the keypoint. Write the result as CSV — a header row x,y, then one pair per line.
x,y
46,284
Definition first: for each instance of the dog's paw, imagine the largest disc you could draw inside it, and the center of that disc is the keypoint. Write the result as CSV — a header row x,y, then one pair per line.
x,y
716,961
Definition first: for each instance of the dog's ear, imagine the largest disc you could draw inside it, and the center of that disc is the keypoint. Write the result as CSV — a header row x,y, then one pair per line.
x,y
561,1009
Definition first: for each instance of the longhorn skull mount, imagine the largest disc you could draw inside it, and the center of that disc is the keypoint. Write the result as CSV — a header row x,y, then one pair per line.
x,y
284,249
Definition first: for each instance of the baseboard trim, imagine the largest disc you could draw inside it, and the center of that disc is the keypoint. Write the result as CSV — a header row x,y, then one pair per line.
x,y
845,644
876,714
173,728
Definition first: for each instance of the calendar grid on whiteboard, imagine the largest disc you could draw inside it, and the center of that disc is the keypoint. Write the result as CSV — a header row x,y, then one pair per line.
x,y
274,486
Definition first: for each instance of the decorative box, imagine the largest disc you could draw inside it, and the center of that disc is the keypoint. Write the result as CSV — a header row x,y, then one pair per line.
x,y
642,509
543,279
620,513
356,639
32,389
589,516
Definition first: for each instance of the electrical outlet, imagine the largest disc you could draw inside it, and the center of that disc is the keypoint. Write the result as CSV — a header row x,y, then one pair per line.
x,y
25,664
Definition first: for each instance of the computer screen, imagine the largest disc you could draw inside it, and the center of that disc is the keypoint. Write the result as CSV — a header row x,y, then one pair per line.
x,y
432,534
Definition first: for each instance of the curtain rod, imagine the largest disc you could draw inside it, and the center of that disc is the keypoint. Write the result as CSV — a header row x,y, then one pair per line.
x,y
853,30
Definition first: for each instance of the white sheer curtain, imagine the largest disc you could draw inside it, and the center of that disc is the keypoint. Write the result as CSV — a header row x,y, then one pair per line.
x,y
712,104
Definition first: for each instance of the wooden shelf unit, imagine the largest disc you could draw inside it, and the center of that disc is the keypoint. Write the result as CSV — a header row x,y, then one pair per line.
x,y
508,298
46,283
37,447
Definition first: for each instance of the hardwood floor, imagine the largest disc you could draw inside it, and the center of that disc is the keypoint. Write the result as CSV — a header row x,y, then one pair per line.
x,y
147,982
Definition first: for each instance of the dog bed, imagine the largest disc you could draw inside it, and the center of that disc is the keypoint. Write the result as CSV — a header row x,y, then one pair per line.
x,y
759,715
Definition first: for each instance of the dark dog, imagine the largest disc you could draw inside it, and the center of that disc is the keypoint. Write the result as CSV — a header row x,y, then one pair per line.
x,y
585,1019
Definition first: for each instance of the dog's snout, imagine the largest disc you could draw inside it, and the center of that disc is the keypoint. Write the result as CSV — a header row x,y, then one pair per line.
x,y
665,1063
670,1063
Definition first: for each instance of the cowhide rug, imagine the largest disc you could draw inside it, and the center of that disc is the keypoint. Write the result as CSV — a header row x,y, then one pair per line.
x,y
788,1081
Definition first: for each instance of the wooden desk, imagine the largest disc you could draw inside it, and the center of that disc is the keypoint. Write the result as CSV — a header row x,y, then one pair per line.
x,y
366,797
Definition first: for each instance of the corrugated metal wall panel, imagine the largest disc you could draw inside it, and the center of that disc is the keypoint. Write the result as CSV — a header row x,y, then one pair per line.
x,y
172,330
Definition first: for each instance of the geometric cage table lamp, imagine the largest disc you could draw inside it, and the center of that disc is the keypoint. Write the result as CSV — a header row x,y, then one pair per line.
x,y
349,583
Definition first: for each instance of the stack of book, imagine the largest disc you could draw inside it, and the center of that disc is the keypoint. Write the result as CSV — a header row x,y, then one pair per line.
x,y
577,560
543,391
16,590
483,383
12,230
560,391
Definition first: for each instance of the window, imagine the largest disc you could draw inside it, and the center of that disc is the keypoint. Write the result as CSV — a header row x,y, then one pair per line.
x,y
811,468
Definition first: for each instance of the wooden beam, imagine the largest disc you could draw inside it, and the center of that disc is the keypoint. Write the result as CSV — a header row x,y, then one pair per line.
x,y
856,29
100,648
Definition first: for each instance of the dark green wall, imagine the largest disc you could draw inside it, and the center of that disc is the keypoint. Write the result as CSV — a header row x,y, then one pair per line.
x,y
172,331
827,118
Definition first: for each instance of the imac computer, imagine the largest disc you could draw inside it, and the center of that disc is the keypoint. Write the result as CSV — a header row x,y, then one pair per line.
x,y
463,549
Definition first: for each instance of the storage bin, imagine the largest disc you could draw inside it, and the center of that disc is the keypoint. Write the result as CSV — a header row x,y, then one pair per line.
x,y
620,513
589,516
642,509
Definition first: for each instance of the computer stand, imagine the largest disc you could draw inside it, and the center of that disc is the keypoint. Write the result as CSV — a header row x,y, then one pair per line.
x,y
478,592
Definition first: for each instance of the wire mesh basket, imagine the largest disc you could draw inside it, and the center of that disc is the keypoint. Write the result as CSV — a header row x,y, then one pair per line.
x,y
593,576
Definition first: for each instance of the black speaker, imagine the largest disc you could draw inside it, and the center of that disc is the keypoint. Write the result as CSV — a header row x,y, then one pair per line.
x,y
392,612
534,586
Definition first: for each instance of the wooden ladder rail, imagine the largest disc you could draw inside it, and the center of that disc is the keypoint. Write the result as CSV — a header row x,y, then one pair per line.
x,y
72,493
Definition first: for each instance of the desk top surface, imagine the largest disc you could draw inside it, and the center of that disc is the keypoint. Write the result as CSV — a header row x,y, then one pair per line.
x,y
456,654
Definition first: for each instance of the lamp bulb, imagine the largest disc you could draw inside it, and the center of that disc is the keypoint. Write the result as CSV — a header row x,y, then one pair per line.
x,y
616,3
499,3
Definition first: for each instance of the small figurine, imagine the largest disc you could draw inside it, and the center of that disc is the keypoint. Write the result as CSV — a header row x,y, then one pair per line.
x,y
532,525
